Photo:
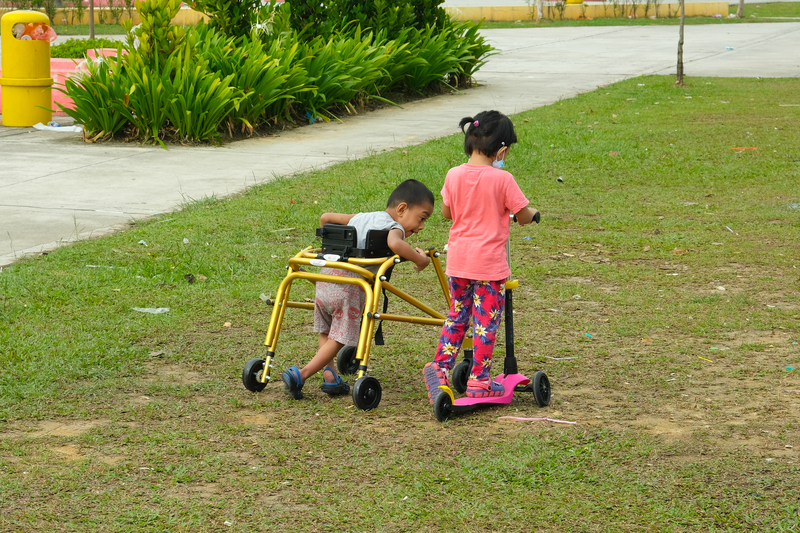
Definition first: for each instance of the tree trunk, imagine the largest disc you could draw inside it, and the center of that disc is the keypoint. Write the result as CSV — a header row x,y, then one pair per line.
x,y
740,11
91,18
679,80
539,13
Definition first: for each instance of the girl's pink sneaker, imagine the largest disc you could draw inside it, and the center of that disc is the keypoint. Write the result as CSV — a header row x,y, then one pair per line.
x,y
484,389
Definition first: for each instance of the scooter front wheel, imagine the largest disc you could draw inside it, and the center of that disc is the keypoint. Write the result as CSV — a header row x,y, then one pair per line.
x,y
442,406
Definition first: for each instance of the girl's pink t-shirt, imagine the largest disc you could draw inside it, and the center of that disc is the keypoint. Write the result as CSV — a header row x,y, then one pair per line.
x,y
480,198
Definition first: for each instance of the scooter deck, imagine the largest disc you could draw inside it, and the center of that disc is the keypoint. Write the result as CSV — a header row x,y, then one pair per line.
x,y
510,382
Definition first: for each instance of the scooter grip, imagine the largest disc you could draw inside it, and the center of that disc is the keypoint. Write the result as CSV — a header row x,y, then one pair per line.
x,y
537,217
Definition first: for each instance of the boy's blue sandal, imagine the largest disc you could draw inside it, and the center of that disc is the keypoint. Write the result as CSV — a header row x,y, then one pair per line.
x,y
337,387
292,383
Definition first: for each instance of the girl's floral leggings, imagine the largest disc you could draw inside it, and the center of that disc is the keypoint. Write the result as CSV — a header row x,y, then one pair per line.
x,y
484,302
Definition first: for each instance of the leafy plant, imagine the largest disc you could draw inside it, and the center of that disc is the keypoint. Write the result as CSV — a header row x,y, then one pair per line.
x,y
471,49
380,16
234,18
401,59
200,99
439,53
259,78
430,13
149,94
94,94
156,35
311,17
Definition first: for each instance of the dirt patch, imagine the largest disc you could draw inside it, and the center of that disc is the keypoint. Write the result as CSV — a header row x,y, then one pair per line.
x,y
54,428
173,374
255,419
70,453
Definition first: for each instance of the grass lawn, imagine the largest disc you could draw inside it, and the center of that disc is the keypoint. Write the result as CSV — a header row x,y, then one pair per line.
x,y
761,12
659,293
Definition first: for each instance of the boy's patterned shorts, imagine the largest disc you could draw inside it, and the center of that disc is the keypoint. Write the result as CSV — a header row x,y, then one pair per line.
x,y
338,308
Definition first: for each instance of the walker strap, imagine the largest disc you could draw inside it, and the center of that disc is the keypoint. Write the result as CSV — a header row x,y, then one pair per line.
x,y
379,331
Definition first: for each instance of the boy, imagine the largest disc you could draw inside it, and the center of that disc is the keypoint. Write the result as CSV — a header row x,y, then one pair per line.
x,y
338,306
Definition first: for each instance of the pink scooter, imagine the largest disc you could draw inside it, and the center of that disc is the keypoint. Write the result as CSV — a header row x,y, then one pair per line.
x,y
446,404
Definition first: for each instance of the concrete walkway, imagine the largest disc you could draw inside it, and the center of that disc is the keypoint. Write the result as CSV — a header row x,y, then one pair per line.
x,y
54,188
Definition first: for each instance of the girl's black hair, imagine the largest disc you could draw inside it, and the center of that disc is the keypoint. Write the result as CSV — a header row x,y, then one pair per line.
x,y
487,132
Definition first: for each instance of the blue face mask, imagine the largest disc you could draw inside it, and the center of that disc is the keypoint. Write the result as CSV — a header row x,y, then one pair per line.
x,y
498,163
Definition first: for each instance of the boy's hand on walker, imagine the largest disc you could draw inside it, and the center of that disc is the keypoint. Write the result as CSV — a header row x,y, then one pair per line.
x,y
423,260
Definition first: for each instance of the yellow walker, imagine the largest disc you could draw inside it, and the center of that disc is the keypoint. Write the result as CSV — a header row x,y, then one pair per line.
x,y
339,250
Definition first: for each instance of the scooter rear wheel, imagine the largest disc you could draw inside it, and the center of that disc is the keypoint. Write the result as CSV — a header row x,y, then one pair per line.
x,y
460,375
541,389
442,406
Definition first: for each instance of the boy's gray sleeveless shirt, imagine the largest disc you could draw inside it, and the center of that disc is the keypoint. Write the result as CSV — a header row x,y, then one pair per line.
x,y
378,220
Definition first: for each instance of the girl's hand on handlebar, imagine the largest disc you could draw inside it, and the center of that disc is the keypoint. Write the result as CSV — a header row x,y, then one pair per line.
x,y
527,215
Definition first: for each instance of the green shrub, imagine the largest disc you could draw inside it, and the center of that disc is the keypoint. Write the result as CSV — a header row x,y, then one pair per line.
x,y
76,48
156,37
201,99
430,13
260,78
315,18
438,51
471,50
401,59
150,92
234,18
193,84
94,94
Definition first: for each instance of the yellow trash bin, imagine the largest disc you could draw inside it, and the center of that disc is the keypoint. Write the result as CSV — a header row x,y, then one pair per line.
x,y
26,77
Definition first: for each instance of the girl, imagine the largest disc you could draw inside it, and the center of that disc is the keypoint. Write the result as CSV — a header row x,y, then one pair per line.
x,y
478,197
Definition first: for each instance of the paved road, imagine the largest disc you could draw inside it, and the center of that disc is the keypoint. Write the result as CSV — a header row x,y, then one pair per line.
x,y
54,188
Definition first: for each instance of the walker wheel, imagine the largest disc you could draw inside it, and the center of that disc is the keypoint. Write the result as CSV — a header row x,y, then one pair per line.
x,y
442,406
252,371
366,393
541,389
346,361
460,375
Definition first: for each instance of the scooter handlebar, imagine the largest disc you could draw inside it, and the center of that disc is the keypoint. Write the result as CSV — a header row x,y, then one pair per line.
x,y
536,218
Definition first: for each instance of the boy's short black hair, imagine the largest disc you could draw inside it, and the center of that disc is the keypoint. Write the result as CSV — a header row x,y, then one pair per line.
x,y
487,132
412,192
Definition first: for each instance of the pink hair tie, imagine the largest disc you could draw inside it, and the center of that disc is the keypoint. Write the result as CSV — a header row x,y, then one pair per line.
x,y
476,123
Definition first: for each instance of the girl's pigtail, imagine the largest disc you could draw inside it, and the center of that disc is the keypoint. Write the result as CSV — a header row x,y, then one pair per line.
x,y
468,122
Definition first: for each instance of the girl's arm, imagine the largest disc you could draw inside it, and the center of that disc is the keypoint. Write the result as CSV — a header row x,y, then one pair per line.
x,y
525,215
446,212
404,250
335,218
